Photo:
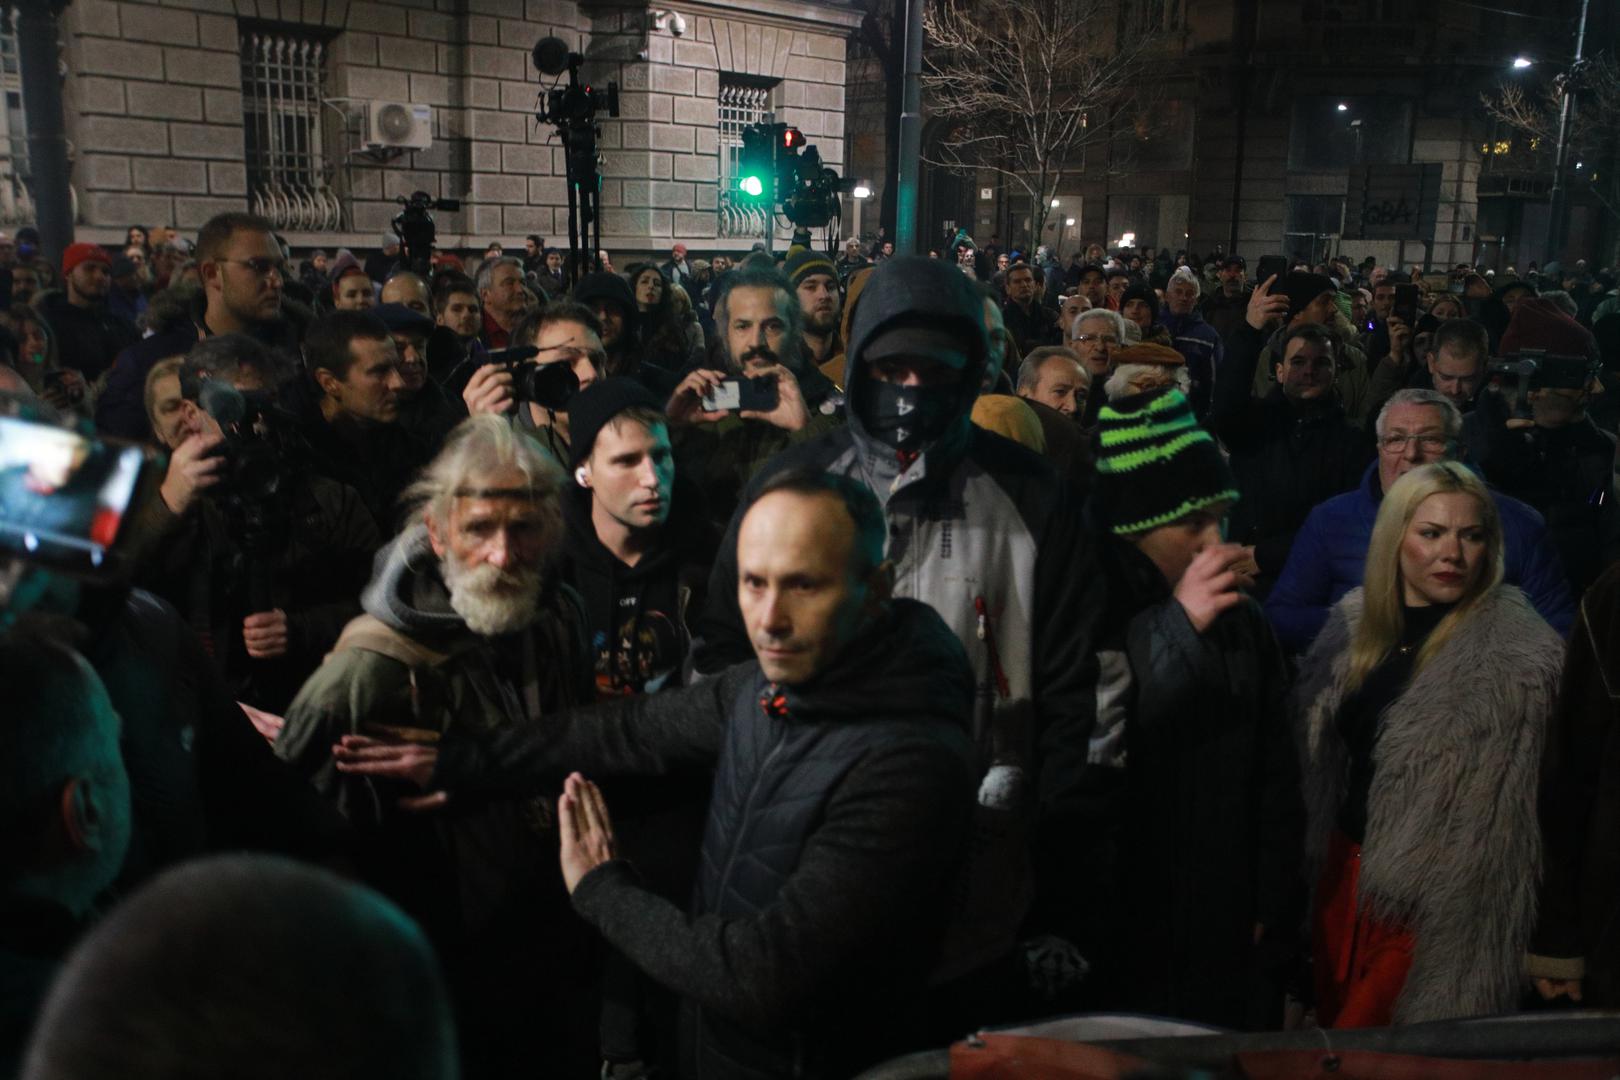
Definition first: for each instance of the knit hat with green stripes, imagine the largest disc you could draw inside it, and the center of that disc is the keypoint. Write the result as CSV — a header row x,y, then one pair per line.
x,y
1155,464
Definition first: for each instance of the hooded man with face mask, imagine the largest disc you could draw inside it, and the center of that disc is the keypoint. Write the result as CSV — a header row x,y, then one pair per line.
x,y
981,530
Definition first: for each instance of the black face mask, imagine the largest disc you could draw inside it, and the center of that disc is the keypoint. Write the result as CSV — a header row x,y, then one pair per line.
x,y
907,417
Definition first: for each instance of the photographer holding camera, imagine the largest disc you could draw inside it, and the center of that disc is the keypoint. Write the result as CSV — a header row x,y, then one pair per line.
x,y
567,356
263,559
1547,451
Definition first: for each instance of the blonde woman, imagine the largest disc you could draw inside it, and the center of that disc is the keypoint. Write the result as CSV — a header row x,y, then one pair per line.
x,y
1422,709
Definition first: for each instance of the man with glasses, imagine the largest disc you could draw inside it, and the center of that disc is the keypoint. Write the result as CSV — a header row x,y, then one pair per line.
x,y
243,273
1416,427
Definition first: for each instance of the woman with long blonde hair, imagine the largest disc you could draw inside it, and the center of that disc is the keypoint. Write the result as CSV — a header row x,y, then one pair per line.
x,y
1422,706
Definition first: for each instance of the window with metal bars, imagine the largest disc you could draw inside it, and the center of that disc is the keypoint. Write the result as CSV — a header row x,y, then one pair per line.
x,y
744,100
288,171
16,203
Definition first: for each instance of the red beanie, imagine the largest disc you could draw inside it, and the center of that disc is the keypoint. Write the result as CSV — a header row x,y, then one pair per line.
x,y
1539,324
84,252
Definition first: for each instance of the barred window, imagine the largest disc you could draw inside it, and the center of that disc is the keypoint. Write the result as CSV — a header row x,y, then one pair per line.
x,y
16,204
288,173
744,100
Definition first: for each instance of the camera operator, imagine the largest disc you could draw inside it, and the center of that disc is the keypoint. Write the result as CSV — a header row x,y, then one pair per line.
x,y
1548,452
242,276
563,333
239,513
349,409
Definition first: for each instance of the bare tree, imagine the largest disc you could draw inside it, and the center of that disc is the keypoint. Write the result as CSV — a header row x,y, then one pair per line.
x,y
1594,131
1028,86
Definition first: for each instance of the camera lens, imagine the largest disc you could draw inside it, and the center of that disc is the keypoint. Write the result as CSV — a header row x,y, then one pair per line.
x,y
550,386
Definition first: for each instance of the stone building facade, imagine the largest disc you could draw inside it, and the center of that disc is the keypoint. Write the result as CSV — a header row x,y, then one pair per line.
x,y
180,109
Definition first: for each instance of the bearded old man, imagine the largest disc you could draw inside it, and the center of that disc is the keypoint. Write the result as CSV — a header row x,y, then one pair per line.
x,y
464,631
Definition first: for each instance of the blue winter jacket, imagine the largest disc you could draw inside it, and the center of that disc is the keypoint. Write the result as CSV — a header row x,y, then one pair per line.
x,y
1330,554
1201,346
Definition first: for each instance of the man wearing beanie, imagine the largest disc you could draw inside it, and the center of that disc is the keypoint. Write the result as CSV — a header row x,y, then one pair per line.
x,y
637,556
1294,447
88,334
981,530
1140,305
1559,462
1195,833
815,280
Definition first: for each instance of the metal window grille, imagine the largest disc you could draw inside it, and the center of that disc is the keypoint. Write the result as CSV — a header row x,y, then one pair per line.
x,y
741,103
16,203
289,176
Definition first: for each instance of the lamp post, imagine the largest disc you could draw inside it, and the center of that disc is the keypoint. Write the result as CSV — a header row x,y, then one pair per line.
x,y
1558,198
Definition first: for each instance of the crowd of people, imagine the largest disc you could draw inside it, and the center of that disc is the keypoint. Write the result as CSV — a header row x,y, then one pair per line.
x,y
768,665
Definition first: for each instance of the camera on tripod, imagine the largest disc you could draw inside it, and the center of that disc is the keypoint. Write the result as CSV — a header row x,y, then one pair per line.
x,y
414,227
573,109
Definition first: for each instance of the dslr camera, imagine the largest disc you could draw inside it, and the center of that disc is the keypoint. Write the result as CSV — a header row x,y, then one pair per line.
x,y
551,385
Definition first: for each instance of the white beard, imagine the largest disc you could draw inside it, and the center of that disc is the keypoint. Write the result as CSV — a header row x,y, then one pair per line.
x,y
489,600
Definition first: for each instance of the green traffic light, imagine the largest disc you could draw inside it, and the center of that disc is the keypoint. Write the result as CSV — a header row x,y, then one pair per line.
x,y
751,185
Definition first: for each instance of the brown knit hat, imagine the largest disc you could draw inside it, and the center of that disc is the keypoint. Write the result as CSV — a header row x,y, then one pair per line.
x,y
1150,352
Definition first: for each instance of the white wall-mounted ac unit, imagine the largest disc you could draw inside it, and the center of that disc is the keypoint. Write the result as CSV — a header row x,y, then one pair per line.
x,y
398,125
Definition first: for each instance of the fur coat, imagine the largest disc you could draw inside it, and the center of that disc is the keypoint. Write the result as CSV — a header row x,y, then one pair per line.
x,y
1452,850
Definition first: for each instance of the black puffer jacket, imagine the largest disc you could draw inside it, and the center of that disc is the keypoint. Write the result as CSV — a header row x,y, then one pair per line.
x,y
838,817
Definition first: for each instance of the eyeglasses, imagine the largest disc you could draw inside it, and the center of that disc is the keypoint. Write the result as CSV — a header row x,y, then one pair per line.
x,y
1101,339
1395,443
261,266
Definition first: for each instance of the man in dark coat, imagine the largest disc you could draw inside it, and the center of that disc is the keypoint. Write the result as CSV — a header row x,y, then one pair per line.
x,y
1189,873
1575,951
88,333
1291,449
242,275
1030,323
842,794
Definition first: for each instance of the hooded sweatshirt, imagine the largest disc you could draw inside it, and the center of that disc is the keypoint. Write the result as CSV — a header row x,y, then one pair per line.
x,y
636,617
980,530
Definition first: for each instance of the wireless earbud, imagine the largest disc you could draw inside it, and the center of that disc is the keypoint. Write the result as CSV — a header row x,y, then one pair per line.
x,y
579,477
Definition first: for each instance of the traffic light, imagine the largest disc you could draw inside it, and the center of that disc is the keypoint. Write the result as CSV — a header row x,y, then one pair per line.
x,y
792,138
756,167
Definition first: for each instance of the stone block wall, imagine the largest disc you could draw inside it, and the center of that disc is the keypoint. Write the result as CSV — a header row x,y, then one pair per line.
x,y
155,110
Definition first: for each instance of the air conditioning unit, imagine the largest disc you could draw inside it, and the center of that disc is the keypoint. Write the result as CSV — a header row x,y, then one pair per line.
x,y
397,125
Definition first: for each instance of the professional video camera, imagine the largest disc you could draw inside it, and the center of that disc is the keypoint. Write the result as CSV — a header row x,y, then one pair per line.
x,y
810,198
550,385
1537,369
414,227
260,452
573,109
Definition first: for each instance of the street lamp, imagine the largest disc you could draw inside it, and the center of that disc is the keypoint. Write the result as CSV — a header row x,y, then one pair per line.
x,y
1055,203
862,190
1522,62
1068,223
1343,107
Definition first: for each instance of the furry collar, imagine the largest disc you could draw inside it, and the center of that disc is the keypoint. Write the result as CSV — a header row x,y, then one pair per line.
x,y
1452,848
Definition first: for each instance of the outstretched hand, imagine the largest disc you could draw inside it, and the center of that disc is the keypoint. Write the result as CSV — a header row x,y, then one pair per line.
x,y
587,832
398,757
